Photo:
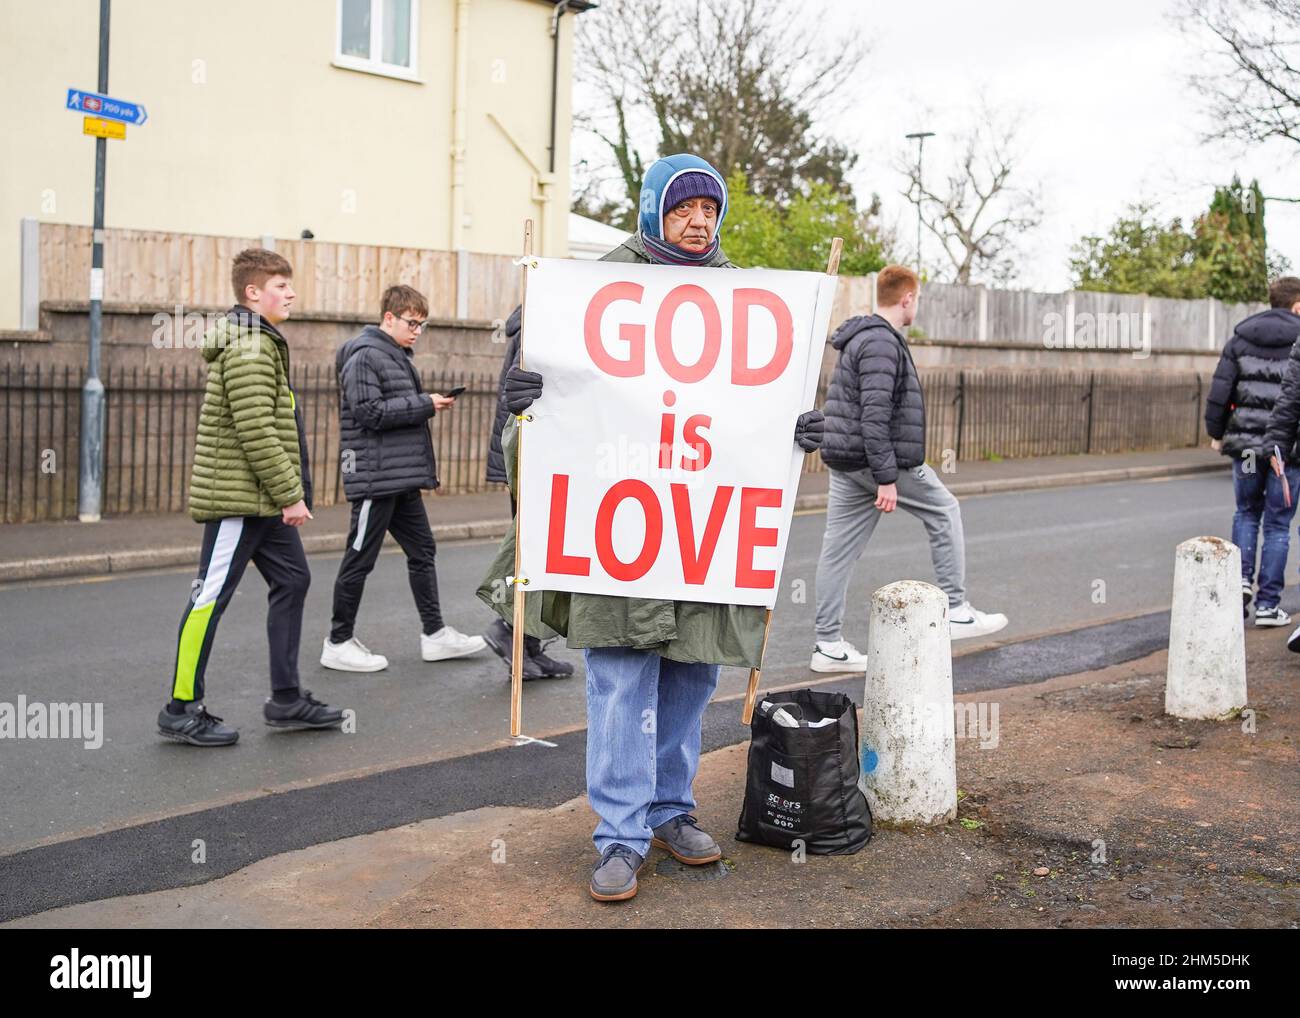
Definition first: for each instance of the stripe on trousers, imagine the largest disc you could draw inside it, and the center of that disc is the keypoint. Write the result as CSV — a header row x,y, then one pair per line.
x,y
362,520
199,617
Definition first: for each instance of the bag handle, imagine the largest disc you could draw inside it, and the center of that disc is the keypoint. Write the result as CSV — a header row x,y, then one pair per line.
x,y
772,705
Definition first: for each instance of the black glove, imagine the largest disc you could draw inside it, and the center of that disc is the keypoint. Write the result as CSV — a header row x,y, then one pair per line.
x,y
514,321
809,430
522,387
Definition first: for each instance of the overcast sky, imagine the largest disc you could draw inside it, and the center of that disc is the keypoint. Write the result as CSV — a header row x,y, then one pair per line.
x,y
1108,117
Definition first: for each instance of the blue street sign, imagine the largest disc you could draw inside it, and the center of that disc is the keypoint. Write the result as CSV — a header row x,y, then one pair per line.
x,y
106,106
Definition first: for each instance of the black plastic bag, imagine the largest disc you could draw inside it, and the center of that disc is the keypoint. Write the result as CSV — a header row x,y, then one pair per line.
x,y
802,782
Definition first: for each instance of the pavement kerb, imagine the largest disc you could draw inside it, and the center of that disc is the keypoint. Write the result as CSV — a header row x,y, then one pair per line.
x,y
959,488
99,564
66,565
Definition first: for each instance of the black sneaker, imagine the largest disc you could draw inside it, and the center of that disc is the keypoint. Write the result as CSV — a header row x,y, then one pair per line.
x,y
305,712
1293,641
499,637
196,727
531,670
550,668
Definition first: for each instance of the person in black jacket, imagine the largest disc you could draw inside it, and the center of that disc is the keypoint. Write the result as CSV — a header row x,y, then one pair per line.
x,y
500,634
875,448
387,459
1248,413
496,463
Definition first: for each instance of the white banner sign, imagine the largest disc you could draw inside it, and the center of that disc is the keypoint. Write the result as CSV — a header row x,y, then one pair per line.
x,y
660,460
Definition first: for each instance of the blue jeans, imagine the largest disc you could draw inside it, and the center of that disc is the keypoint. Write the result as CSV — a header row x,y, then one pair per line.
x,y
643,740
1260,498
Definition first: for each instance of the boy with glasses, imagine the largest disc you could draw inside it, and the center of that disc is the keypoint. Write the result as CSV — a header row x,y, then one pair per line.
x,y
387,455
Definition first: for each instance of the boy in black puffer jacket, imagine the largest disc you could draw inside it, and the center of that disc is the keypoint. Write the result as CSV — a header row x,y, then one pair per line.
x,y
1245,418
387,456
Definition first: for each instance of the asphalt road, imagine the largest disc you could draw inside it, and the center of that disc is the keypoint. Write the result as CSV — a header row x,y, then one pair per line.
x,y
1052,560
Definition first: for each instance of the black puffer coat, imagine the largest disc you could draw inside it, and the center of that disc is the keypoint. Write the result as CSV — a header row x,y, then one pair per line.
x,y
875,414
385,415
1248,380
496,464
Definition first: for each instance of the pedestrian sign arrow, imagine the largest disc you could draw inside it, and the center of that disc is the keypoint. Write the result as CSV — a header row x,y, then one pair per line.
x,y
106,106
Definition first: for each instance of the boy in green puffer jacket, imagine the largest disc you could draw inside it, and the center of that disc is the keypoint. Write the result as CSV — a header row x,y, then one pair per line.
x,y
251,489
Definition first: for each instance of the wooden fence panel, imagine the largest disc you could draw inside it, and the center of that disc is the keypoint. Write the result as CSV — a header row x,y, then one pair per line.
x,y
152,267
493,286
948,311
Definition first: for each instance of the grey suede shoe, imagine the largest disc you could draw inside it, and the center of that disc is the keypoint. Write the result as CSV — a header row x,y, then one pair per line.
x,y
614,878
682,837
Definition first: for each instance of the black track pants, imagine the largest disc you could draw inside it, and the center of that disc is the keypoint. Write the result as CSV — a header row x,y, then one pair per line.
x,y
404,517
228,546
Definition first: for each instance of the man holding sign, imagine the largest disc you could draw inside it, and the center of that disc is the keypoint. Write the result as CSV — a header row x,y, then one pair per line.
x,y
656,491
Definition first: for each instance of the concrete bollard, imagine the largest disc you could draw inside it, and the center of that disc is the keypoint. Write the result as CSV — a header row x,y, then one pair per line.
x,y
1207,650
909,753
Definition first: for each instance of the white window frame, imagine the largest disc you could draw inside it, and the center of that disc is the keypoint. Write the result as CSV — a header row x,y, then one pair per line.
x,y
375,66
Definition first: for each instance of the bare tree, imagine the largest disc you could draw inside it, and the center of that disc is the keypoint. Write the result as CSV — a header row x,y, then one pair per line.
x,y
738,82
976,214
1254,92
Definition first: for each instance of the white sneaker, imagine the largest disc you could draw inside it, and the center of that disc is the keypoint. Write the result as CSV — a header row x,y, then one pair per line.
x,y
1271,617
448,642
840,656
351,656
965,621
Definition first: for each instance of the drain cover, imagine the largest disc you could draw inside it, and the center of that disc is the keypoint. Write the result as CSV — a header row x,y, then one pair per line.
x,y
670,867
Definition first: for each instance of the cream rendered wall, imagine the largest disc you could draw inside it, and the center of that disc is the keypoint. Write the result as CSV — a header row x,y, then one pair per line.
x,y
510,79
252,131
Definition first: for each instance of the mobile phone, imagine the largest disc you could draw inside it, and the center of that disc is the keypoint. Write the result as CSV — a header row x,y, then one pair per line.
x,y
455,392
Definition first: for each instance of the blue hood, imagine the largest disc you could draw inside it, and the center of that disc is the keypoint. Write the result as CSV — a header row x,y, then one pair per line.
x,y
655,186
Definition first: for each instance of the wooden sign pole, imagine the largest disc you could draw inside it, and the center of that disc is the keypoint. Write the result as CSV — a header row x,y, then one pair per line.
x,y
517,647
751,692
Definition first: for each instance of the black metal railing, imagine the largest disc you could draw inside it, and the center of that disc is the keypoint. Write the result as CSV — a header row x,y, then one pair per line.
x,y
150,422
152,414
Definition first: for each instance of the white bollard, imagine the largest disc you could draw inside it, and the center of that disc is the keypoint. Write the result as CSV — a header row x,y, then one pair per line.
x,y
1207,650
909,753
